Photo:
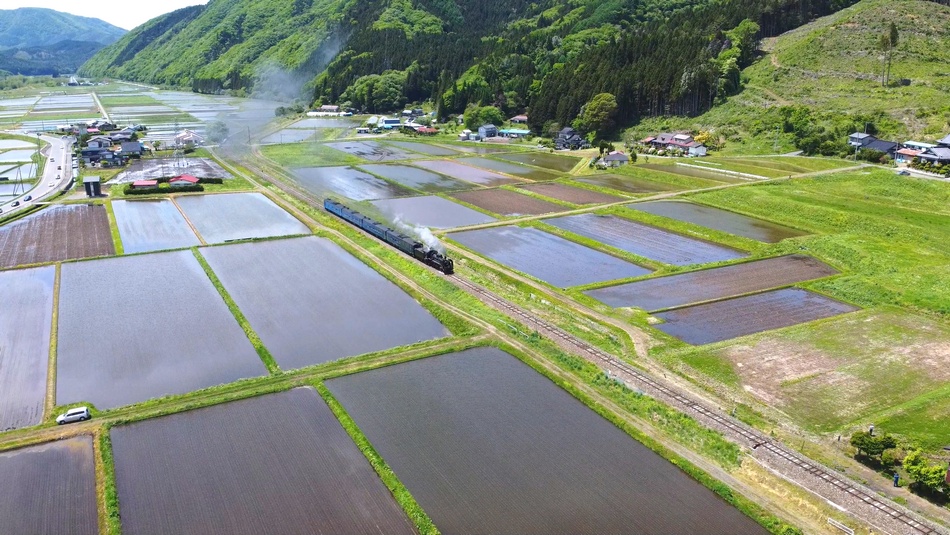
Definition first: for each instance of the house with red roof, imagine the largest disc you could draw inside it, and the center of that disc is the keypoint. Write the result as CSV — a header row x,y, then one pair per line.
x,y
183,180
141,184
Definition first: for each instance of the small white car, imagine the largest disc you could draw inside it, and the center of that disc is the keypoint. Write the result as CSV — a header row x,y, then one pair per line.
x,y
51,184
79,414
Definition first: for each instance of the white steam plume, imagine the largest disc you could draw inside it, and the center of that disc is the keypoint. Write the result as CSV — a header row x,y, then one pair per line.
x,y
422,233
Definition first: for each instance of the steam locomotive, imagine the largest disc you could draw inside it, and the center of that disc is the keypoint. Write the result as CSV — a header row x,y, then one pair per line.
x,y
402,242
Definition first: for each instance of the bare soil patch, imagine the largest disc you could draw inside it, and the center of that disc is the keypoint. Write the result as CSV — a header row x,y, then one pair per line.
x,y
56,233
571,194
856,365
506,202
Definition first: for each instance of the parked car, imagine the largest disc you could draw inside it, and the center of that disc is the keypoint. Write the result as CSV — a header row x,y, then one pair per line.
x,y
79,414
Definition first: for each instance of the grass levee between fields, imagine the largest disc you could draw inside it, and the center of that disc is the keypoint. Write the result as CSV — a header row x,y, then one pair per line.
x,y
403,497
252,335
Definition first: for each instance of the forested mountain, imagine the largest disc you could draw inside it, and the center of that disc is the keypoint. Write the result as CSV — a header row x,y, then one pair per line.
x,y
64,57
549,56
28,27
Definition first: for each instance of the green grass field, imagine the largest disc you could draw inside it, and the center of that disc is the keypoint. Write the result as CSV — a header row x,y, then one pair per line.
x,y
128,100
308,155
890,236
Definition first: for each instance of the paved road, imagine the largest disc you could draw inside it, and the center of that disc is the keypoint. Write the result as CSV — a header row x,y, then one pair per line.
x,y
56,175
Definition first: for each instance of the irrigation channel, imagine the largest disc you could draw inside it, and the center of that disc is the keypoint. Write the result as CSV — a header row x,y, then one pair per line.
x,y
855,499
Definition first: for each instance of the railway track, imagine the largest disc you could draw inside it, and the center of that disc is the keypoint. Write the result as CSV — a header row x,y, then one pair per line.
x,y
899,517
890,517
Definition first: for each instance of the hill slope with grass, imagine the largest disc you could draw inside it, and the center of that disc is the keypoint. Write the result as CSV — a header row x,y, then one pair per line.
x,y
819,82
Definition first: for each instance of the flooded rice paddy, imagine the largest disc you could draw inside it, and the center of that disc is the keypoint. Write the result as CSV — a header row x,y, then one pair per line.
x,y
348,182
628,184
140,327
464,172
716,283
507,202
553,162
49,489
152,225
279,463
56,233
552,259
371,150
730,222
741,316
152,168
25,319
16,155
312,302
313,123
238,216
6,144
570,194
644,240
415,178
695,172
288,135
509,168
431,211
424,148
487,445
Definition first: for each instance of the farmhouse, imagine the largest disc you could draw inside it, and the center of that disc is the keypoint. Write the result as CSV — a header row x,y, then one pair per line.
x,y
568,138
945,142
487,130
672,141
330,108
936,155
917,145
905,155
142,184
188,138
131,148
99,142
519,119
616,159
860,139
183,180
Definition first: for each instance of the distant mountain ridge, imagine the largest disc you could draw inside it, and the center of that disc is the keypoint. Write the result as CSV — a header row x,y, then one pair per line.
x,y
37,41
32,26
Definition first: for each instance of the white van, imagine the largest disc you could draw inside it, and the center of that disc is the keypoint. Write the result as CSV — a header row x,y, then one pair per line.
x,y
78,414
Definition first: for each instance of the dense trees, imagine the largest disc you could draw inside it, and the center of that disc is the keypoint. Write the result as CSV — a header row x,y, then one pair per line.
x,y
597,116
654,56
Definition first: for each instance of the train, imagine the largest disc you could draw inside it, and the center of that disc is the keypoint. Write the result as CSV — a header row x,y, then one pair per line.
x,y
411,247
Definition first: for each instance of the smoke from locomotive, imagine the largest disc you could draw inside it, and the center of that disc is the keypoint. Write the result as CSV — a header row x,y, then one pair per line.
x,y
411,247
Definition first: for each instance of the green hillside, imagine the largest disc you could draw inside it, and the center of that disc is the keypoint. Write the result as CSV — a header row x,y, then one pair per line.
x,y
828,74
35,27
64,57
656,56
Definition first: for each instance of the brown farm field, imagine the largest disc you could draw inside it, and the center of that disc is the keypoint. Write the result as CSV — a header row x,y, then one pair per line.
x,y
848,371
507,202
710,284
56,233
571,194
